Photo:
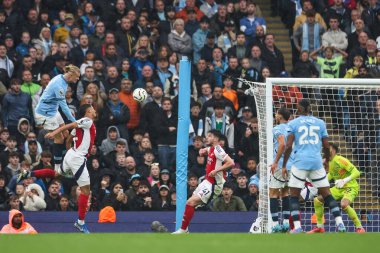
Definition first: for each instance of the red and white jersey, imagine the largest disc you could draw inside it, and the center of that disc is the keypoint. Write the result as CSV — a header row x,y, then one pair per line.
x,y
215,159
85,135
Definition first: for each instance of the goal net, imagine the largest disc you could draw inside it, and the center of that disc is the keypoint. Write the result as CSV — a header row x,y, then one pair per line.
x,y
351,110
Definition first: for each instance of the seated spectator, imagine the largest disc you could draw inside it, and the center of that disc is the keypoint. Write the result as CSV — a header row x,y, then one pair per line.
x,y
273,56
64,204
22,49
192,184
6,64
32,156
256,60
144,169
251,201
163,201
165,179
5,193
208,106
228,202
23,129
120,148
300,19
113,79
62,33
354,71
190,4
251,166
230,93
199,38
44,41
143,200
53,196
304,67
147,75
249,144
154,175
17,225
117,199
248,24
334,36
33,199
192,24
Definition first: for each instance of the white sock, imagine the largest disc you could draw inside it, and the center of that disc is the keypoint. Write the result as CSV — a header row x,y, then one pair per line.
x,y
320,225
57,167
275,223
285,221
297,224
80,222
338,220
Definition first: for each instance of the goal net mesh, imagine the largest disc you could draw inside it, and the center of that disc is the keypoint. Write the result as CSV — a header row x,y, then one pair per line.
x,y
352,115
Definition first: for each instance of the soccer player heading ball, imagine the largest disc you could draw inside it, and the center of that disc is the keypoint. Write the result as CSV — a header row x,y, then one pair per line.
x,y
217,163
47,115
308,134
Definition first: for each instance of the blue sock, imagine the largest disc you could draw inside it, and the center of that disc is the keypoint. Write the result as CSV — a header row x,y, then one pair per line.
x,y
274,209
58,150
333,205
285,208
294,208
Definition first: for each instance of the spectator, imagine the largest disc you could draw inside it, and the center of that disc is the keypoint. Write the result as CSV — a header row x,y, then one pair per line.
x,y
190,4
199,38
334,36
252,200
143,200
178,40
255,60
5,193
273,56
62,33
79,53
304,67
88,77
259,38
249,144
354,71
219,20
117,199
113,79
238,49
350,27
154,174
6,65
97,38
229,92
307,5
16,105
353,38
115,113
209,8
330,65
17,225
369,13
22,49
360,49
166,127
251,166
113,136
4,136
248,24
220,121
52,198
228,202
163,201
33,198
64,204
192,24
308,36
15,203
208,106
241,189
338,9
32,156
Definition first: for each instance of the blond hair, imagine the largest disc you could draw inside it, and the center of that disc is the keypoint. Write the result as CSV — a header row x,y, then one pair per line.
x,y
72,69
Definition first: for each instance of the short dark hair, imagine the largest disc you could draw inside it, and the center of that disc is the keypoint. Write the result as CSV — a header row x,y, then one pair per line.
x,y
284,112
334,146
13,154
305,105
82,110
121,142
216,133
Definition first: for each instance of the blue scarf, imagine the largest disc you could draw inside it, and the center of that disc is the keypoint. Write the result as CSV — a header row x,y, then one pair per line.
x,y
213,123
305,37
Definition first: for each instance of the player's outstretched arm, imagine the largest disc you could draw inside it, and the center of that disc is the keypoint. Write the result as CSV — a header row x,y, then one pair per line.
x,y
61,129
66,110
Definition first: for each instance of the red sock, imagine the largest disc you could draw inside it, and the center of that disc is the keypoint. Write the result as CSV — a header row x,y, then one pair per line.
x,y
43,173
82,206
187,216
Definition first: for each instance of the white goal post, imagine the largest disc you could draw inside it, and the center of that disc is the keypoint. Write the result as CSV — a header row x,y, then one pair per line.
x,y
348,107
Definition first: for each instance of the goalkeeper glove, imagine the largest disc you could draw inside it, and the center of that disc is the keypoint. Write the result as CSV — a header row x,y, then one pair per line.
x,y
341,182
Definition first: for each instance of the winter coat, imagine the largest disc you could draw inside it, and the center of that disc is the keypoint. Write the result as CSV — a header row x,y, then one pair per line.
x,y
16,106
25,228
34,203
180,43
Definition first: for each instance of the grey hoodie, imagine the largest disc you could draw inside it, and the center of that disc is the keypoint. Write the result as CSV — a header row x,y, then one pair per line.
x,y
109,145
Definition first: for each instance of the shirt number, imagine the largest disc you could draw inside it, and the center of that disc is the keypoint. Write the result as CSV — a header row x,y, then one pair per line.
x,y
309,135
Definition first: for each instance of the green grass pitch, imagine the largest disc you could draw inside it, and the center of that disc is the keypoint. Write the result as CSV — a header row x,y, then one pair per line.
x,y
191,243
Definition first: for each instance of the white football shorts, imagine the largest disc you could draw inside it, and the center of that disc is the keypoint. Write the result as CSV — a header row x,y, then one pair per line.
x,y
49,123
77,164
317,177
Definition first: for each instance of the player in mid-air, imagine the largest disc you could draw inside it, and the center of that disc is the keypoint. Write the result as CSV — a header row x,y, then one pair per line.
x,y
217,164
47,114
308,134
277,184
83,135
346,188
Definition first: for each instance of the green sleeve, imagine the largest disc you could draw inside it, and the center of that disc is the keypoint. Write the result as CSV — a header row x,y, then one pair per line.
x,y
320,60
345,164
329,177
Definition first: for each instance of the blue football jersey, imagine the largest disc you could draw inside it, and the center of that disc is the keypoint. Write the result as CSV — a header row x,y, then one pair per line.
x,y
308,133
281,129
54,97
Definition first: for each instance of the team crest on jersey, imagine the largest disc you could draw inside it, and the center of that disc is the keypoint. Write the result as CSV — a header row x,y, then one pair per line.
x,y
342,172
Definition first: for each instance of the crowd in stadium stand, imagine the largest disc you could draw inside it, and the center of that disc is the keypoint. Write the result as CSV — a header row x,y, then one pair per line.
x,y
121,45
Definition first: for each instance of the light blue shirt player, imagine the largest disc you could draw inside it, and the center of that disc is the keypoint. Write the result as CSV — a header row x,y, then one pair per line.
x,y
308,133
281,129
52,98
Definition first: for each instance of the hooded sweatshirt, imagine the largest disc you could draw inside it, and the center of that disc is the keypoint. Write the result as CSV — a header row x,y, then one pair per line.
x,y
109,145
34,203
25,228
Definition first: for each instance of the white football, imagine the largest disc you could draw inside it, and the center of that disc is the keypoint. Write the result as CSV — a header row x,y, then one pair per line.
x,y
140,95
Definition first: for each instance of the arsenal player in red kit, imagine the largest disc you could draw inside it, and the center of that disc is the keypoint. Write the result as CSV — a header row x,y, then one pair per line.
x,y
83,135
217,164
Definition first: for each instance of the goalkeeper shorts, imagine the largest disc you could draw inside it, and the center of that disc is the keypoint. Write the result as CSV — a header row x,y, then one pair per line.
x,y
344,193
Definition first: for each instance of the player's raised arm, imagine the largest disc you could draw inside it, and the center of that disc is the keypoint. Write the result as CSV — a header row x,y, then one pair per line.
x,y
61,129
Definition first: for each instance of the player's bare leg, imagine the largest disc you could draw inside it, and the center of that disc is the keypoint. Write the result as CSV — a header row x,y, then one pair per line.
x,y
82,208
191,203
334,208
345,205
